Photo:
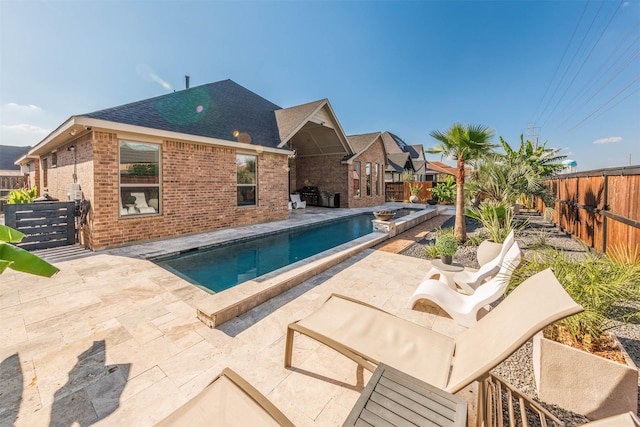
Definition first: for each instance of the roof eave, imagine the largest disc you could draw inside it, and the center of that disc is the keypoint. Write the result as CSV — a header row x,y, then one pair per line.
x,y
75,124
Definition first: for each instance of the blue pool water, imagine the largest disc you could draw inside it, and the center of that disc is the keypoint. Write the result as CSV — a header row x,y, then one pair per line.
x,y
225,266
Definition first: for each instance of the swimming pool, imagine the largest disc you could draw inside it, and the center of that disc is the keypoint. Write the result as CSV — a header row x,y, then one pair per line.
x,y
221,267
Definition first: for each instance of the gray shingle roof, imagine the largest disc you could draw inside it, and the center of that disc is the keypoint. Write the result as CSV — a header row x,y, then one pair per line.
x,y
396,162
214,110
360,142
9,154
288,119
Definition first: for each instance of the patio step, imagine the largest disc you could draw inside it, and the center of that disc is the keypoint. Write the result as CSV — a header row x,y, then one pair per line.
x,y
63,253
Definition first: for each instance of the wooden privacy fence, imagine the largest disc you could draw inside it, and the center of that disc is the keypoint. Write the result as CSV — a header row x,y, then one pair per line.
x,y
45,225
600,207
399,191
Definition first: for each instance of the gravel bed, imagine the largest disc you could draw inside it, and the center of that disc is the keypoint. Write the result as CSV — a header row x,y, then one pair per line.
x,y
518,369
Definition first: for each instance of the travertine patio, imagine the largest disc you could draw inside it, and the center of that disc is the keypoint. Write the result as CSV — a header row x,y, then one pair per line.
x,y
115,340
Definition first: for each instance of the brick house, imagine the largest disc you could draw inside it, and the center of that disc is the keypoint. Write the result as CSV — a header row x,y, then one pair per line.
x,y
199,159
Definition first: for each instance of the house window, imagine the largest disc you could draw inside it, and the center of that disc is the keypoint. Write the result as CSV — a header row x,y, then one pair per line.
x,y
376,177
356,179
45,180
139,178
367,172
54,159
246,178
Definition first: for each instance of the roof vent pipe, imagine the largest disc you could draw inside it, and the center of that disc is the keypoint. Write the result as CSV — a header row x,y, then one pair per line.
x,y
186,81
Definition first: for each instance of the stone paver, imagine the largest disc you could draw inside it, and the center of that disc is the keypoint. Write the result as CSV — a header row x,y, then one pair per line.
x,y
110,340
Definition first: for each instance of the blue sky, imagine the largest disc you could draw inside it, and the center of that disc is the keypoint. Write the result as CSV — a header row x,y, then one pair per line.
x,y
565,71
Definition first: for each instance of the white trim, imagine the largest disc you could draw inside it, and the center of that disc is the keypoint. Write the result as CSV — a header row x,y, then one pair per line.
x,y
80,123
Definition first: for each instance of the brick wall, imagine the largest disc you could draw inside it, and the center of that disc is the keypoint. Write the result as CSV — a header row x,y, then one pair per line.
x,y
374,155
326,172
61,177
198,193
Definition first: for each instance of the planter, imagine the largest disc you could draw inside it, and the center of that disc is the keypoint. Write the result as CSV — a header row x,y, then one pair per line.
x,y
384,215
487,250
446,259
432,202
413,199
582,382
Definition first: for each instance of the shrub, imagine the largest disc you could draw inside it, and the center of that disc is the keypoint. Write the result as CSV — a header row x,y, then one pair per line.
x,y
446,245
496,217
607,286
21,196
445,191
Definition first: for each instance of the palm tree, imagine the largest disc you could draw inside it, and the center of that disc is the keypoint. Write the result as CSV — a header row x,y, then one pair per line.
x,y
464,143
544,161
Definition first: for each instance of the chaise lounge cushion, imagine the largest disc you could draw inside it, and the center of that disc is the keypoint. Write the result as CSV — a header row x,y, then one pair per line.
x,y
370,336
229,400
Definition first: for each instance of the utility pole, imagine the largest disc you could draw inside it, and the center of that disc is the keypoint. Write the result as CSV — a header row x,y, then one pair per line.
x,y
532,134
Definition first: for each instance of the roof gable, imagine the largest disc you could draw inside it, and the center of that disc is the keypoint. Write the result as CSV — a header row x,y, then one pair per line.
x,y
223,110
312,129
359,143
397,162
291,119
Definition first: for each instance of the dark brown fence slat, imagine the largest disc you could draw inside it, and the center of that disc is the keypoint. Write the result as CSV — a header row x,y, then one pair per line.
x,y
45,225
601,207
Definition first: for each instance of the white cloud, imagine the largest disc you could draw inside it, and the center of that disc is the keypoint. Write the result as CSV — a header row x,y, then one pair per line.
x,y
610,140
25,108
25,128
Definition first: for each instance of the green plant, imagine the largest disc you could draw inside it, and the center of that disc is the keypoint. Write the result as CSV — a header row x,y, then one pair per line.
x,y
445,191
131,200
496,217
22,195
607,286
406,176
17,258
476,239
446,245
431,250
414,189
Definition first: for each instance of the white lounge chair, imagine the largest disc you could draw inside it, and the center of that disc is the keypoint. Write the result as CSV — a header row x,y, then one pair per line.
x,y
297,202
470,280
369,336
464,308
141,203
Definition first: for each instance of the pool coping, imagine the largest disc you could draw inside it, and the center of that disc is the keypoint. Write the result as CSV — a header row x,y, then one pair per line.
x,y
220,307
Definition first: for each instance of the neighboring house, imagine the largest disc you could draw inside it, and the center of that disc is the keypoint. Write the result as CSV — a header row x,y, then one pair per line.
x,y
11,176
195,160
441,170
402,156
367,169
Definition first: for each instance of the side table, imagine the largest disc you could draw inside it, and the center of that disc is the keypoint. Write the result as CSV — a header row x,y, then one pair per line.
x,y
392,397
447,271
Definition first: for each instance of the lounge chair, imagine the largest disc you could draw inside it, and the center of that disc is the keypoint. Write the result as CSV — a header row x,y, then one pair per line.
x,y
469,281
141,203
229,400
369,335
464,308
297,202
628,419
